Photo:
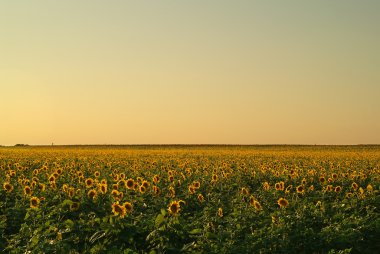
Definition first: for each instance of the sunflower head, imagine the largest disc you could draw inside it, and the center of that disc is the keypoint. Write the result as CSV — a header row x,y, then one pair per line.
x,y
301,189
174,208
129,184
156,179
145,184
103,188
156,190
283,203
34,202
74,206
92,194
128,206
89,182
197,184
191,189
220,212
142,189
257,205
8,187
119,210
244,191
27,190
266,186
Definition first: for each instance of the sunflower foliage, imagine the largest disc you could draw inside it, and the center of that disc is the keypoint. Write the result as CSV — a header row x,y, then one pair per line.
x,y
190,199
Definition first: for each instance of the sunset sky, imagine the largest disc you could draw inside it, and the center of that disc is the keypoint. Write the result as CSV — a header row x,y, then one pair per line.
x,y
220,72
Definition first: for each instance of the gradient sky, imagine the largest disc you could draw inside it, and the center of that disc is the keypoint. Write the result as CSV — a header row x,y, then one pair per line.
x,y
137,72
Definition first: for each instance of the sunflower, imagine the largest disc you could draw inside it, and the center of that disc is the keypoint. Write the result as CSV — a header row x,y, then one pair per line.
x,y
355,186
266,186
129,184
53,185
52,178
334,176
191,189
71,192
200,198
349,194
27,190
142,189
283,203
257,205
103,188
115,186
277,186
89,182
80,174
156,179
369,188
114,193
97,174
322,179
329,188
172,191
74,206
301,189
119,210
252,200
145,184
197,184
244,191
174,208
288,189
34,202
92,194
171,178
128,207
303,181
214,178
220,212
8,187
156,190
337,189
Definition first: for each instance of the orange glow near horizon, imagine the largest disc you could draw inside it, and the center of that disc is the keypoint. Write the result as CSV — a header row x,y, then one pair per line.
x,y
179,72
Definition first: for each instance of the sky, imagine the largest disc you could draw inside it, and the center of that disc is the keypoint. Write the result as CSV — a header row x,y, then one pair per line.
x,y
189,72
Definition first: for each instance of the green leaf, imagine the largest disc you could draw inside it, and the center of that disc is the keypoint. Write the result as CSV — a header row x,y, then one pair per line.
x,y
195,231
67,202
34,241
159,220
210,235
69,223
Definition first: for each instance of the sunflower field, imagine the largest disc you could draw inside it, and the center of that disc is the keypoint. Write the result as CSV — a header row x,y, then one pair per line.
x,y
190,199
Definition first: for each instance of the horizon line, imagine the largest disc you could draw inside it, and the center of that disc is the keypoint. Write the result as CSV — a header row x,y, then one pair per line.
x,y
188,144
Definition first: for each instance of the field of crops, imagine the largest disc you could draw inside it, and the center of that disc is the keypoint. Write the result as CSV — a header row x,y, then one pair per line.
x,y
198,199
